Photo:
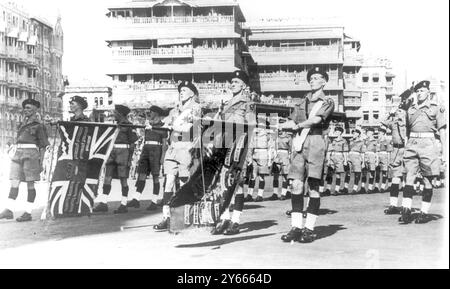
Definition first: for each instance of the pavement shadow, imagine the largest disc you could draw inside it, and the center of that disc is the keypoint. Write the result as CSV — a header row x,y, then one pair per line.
x,y
327,231
252,207
224,241
255,226
327,212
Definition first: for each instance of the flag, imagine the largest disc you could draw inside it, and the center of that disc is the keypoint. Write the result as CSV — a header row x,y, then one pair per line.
x,y
82,155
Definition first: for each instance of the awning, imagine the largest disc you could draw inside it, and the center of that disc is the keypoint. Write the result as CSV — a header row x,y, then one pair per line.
x,y
23,36
32,40
174,41
14,33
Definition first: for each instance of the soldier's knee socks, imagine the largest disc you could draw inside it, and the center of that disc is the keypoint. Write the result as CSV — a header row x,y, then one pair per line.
x,y
125,191
106,189
166,197
262,184
140,186
314,206
395,188
338,182
156,188
329,179
297,203
276,182
347,179
251,184
31,195
427,195
239,202
13,193
357,178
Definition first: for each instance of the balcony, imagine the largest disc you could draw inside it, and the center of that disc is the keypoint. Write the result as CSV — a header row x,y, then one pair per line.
x,y
154,53
293,82
137,28
353,58
156,61
303,55
353,114
352,102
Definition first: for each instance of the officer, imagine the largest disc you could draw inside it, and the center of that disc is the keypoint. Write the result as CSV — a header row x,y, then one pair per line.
x,y
26,164
178,156
312,113
337,158
151,159
424,120
77,107
371,160
237,110
384,155
120,160
396,123
282,162
356,158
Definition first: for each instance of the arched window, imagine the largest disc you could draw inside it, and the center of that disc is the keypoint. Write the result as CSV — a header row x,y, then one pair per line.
x,y
101,100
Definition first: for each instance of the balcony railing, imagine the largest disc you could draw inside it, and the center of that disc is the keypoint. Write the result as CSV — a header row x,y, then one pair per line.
x,y
352,103
171,85
260,49
175,19
155,52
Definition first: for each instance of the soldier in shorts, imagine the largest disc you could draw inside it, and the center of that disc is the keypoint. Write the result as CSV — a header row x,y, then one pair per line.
x,y
371,160
396,123
178,156
356,159
337,159
384,154
119,160
282,162
424,120
307,165
151,159
26,164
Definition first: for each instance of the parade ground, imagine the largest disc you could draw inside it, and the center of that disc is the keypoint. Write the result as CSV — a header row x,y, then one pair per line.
x,y
353,232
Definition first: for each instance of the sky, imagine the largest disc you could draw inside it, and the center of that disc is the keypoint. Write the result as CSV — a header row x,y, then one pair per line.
x,y
412,33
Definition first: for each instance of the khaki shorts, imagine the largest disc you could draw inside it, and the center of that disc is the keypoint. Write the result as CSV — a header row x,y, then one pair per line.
x,y
25,166
282,162
370,159
421,156
150,160
337,162
177,162
260,162
309,163
119,159
397,167
383,161
355,162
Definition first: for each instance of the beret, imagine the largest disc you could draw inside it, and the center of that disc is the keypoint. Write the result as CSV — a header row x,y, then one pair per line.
x,y
122,109
188,84
425,84
81,101
242,75
157,109
32,102
317,70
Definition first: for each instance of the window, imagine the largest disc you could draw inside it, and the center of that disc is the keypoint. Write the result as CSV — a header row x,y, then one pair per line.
x,y
366,115
123,78
375,96
365,79
101,100
376,114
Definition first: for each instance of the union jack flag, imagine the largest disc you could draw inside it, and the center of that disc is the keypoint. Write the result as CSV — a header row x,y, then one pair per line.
x,y
82,155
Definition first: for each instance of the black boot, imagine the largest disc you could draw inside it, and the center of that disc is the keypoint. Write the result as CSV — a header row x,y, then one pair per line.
x,y
121,210
295,234
152,207
406,217
221,227
259,199
164,225
248,199
274,197
308,236
422,218
7,214
327,193
392,210
344,191
232,230
26,217
133,204
101,208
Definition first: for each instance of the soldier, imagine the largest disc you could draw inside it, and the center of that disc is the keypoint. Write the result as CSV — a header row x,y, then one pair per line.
x,y
77,107
327,176
422,155
396,123
312,114
120,160
26,164
178,157
371,160
151,159
282,162
337,158
356,159
237,110
259,149
384,151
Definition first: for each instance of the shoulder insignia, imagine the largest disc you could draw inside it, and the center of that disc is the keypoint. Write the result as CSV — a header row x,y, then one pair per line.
x,y
442,109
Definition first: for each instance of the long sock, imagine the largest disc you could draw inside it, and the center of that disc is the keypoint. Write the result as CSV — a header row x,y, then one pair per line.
x,y
13,193
347,180
384,181
322,185
125,191
106,189
356,183
297,208
166,212
31,195
426,200
393,200
408,192
284,189
226,215
156,188
338,183
166,197
371,179
29,207
329,180
239,202
364,181
313,212
262,185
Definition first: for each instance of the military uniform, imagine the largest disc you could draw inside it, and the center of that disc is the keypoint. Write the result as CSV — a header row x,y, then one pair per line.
x,y
26,162
121,155
150,160
310,162
370,157
355,156
80,118
397,125
260,146
178,156
384,149
282,159
337,149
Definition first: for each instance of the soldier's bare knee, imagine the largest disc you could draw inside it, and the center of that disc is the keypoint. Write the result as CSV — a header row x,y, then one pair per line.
x,y
297,187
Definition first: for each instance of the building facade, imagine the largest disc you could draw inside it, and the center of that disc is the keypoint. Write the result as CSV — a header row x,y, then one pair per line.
x,y
31,53
156,44
99,99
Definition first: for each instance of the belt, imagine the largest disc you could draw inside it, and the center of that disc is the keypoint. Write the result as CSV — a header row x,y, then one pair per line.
x,y
27,146
353,152
370,152
261,150
398,146
121,146
422,135
153,143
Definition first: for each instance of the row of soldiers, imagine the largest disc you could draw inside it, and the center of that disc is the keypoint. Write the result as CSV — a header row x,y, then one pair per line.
x,y
300,155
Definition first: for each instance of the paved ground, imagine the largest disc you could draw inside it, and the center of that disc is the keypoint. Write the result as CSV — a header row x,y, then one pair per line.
x,y
353,233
